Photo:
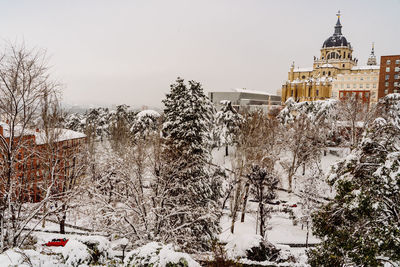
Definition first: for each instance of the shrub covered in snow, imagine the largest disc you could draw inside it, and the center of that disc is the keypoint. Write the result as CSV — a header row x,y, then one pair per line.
x,y
86,250
158,255
76,253
98,248
256,248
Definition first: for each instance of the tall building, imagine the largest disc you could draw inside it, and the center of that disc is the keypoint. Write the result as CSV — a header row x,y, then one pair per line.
x,y
389,76
336,58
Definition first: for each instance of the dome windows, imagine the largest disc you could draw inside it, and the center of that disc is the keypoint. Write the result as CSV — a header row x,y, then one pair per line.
x,y
333,55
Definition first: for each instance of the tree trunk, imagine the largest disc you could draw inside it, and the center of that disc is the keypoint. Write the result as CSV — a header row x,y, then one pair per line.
x,y
63,218
262,218
44,219
246,195
308,230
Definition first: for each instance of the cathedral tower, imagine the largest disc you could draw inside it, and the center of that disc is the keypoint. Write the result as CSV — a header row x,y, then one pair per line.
x,y
372,58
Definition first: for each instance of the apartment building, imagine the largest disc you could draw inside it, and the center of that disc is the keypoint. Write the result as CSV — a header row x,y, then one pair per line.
x,y
389,77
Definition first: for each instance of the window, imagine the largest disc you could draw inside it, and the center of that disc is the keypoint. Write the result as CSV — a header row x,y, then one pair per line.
x,y
354,85
388,69
396,84
367,85
396,77
317,92
361,85
397,61
348,85
360,94
388,62
343,65
323,73
386,91
397,69
366,94
361,78
374,85
386,84
387,77
341,94
329,73
395,91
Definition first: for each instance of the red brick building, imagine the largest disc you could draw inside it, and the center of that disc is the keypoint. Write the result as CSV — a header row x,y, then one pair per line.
x,y
38,157
389,75
364,96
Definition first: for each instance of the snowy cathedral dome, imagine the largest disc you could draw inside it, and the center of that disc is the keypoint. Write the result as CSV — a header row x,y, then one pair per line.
x,y
333,41
337,39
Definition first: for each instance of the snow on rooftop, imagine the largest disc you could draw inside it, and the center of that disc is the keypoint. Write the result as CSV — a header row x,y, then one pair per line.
x,y
368,67
303,70
60,134
40,136
243,90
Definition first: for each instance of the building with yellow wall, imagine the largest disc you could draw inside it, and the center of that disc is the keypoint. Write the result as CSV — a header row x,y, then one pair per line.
x,y
336,59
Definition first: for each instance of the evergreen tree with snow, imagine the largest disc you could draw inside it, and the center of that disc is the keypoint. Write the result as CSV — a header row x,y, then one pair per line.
x,y
119,127
145,123
191,207
361,225
228,122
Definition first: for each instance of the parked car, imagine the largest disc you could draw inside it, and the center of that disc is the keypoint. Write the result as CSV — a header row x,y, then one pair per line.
x,y
57,242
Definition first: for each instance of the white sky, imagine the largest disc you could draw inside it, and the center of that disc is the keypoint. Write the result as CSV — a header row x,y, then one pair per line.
x,y
114,52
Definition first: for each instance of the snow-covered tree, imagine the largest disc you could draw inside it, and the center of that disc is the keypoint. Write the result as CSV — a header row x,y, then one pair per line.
x,y
75,122
146,122
119,127
228,122
25,89
191,210
97,123
263,184
307,128
361,225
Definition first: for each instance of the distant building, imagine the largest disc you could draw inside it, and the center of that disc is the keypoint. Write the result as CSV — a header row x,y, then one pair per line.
x,y
389,77
362,82
35,155
243,98
332,72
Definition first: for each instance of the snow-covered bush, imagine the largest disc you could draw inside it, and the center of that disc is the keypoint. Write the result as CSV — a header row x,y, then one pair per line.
x,y
158,255
255,248
76,253
98,248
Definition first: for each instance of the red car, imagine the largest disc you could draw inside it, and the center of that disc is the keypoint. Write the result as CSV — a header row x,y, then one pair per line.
x,y
57,242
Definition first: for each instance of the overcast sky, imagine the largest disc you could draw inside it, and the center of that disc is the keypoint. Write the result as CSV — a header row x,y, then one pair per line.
x,y
113,52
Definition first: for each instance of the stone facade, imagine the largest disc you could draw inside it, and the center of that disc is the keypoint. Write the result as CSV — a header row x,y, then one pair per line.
x,y
336,60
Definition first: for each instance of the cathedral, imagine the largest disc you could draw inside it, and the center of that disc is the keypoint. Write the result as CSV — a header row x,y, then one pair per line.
x,y
336,59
